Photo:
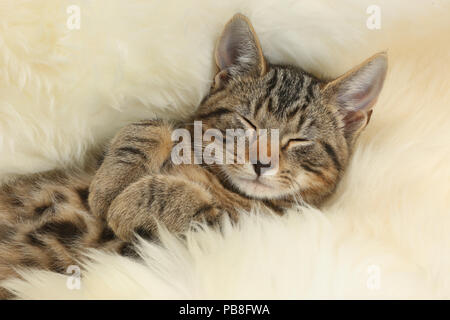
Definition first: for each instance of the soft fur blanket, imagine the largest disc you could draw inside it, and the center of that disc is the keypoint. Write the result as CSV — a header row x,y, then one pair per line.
x,y
385,234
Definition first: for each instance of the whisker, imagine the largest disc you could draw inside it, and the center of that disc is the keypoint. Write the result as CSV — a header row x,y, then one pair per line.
x,y
297,196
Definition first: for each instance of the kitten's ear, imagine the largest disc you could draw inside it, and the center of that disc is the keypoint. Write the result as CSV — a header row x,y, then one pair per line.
x,y
238,50
356,92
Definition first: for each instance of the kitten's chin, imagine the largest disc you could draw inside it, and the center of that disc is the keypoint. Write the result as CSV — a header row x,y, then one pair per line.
x,y
258,189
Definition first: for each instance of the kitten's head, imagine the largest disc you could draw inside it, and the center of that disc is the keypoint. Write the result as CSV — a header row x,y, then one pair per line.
x,y
318,122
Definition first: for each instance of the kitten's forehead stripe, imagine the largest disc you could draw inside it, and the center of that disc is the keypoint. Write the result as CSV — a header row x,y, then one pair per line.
x,y
292,91
215,113
270,105
292,111
301,121
260,105
272,82
332,154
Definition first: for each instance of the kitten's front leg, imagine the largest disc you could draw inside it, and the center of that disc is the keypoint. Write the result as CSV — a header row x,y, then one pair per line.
x,y
138,149
160,199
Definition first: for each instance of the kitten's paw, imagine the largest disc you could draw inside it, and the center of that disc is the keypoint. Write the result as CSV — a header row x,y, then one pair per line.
x,y
159,200
208,214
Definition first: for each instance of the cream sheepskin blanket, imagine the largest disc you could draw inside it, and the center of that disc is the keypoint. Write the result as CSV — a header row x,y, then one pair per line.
x,y
385,234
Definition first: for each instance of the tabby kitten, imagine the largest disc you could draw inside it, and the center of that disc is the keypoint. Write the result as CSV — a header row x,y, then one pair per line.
x,y
138,186
47,219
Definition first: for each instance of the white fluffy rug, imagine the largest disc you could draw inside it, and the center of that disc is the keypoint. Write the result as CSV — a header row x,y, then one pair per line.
x,y
385,234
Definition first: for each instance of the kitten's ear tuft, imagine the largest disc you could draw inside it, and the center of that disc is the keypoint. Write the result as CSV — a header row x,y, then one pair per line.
x,y
356,92
238,50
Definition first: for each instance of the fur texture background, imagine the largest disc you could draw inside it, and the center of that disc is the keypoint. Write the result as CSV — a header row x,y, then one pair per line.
x,y
385,234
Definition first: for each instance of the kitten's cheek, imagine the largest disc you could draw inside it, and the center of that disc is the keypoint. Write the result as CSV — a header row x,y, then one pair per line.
x,y
245,171
303,181
248,168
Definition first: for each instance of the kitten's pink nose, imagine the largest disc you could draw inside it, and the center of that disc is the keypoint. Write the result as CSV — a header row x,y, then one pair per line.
x,y
258,166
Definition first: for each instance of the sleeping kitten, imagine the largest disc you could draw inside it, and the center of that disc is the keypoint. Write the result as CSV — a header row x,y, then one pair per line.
x,y
138,185
48,219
